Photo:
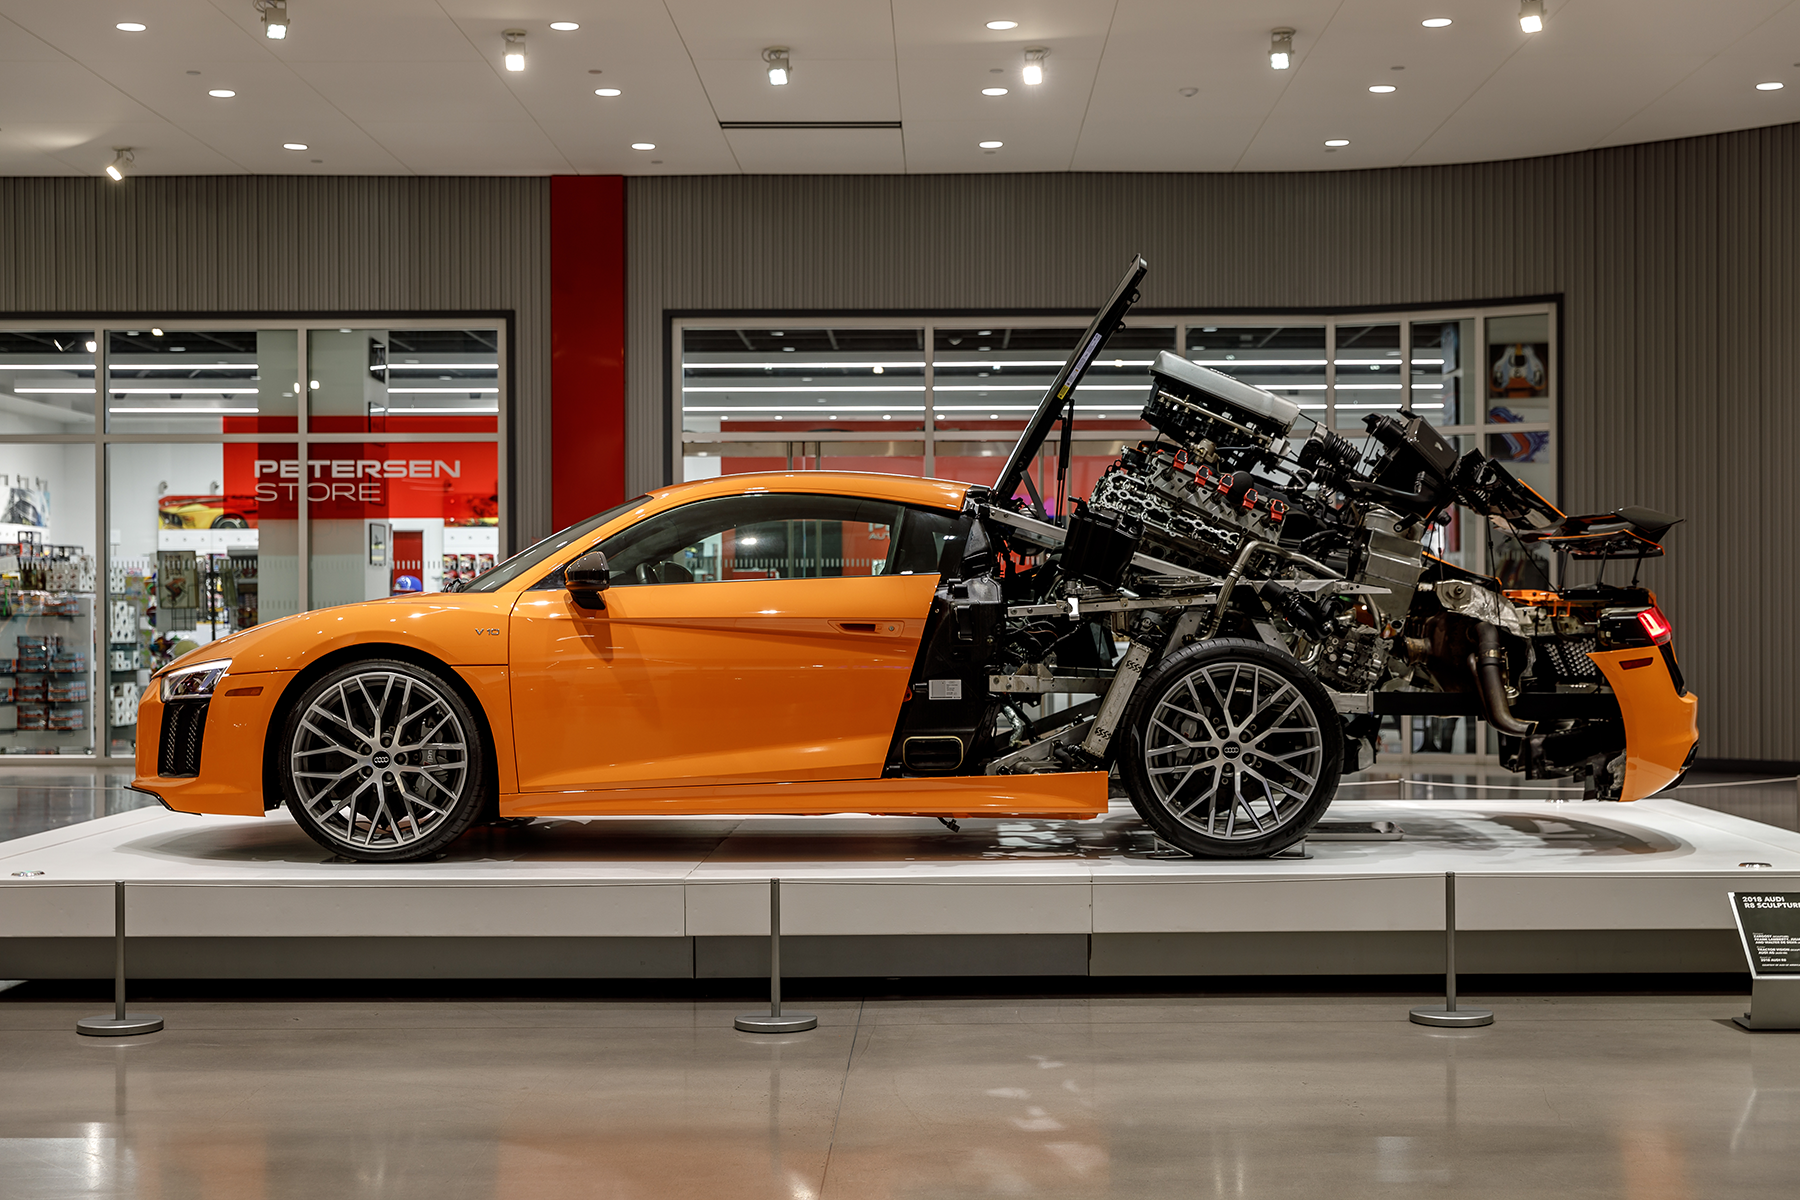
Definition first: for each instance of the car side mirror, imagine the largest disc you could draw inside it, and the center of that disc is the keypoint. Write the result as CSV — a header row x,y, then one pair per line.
x,y
586,578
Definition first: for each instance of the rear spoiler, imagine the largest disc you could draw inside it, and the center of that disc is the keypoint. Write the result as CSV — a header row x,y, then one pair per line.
x,y
1055,400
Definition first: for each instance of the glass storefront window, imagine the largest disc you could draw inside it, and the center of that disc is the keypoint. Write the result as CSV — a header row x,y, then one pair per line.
x,y
393,518
1368,372
47,381
1519,370
802,398
49,695
403,380
195,529
1444,389
202,380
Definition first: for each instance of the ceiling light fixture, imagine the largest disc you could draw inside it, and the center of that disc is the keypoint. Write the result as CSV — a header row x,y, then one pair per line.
x,y
513,53
130,27
1002,24
606,91
991,145
565,26
122,159
1034,64
1381,88
777,58
1435,22
293,145
274,18
643,145
221,93
1769,87
1281,48
993,91
1335,142
1531,15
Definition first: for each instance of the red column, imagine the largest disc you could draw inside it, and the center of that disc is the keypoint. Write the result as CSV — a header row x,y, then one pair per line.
x,y
587,345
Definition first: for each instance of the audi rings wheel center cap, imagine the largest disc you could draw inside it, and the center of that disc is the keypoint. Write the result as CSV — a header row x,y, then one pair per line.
x,y
1230,750
381,760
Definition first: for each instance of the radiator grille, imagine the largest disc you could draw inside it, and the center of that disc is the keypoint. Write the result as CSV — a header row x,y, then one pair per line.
x,y
183,726
1569,658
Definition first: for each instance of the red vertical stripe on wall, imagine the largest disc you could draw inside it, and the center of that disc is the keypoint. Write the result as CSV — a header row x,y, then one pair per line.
x,y
587,345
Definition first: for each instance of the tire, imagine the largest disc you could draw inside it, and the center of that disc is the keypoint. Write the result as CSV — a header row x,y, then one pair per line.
x,y
1232,750
382,761
230,521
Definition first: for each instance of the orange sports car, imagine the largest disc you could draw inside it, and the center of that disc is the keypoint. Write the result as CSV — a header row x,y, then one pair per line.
x,y
1225,622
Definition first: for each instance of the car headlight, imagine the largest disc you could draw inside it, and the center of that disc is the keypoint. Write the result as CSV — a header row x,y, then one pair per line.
x,y
196,682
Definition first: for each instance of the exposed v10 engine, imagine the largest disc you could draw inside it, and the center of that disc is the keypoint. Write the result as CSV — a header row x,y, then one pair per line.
x,y
1243,599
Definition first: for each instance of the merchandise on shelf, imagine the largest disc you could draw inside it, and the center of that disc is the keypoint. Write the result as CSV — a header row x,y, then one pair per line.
x,y
6,666
69,662
6,693
68,719
31,687
66,691
124,703
34,715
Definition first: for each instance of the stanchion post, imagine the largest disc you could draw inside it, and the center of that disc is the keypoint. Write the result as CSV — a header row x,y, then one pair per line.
x,y
1450,1015
121,1023
775,1021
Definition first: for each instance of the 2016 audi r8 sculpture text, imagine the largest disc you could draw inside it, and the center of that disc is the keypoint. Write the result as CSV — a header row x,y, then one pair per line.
x,y
1224,623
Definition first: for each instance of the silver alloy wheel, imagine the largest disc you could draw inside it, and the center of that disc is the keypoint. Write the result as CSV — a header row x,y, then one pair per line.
x,y
1234,751
379,760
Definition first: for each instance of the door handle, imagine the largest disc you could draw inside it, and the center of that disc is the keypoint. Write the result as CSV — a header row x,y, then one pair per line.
x,y
868,626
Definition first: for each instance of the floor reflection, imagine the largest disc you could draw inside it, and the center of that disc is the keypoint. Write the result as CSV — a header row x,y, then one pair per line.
x,y
1146,1096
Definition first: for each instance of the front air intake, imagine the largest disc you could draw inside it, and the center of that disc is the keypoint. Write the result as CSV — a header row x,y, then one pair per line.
x,y
183,727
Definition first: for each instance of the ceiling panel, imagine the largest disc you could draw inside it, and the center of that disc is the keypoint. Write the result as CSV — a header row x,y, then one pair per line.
x,y
417,85
824,151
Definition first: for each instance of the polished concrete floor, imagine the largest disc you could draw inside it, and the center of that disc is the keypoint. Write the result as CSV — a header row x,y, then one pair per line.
x,y
1652,1098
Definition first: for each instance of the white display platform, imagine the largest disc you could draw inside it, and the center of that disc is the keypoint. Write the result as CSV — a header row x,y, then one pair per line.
x,y
1542,887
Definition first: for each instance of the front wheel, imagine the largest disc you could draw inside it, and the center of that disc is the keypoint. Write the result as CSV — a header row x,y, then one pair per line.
x,y
1232,750
383,761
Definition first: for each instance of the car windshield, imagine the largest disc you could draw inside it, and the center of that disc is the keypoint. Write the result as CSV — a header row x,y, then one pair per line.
x,y
532,555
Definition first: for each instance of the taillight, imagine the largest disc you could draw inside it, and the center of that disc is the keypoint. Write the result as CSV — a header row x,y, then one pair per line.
x,y
1656,626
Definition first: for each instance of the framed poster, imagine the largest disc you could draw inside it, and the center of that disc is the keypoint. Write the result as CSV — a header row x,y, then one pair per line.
x,y
377,544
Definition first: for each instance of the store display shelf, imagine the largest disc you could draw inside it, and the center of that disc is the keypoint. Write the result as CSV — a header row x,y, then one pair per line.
x,y
1543,887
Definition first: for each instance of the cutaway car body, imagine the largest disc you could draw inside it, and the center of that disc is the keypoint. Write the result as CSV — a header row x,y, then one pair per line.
x,y
1221,626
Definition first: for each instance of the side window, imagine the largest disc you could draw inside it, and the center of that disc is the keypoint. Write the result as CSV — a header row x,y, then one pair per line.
x,y
766,536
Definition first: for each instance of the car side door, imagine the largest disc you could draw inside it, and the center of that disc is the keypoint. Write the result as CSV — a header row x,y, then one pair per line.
x,y
762,637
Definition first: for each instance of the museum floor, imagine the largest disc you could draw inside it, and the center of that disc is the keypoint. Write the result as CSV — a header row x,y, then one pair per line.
x,y
1057,1087
1146,1096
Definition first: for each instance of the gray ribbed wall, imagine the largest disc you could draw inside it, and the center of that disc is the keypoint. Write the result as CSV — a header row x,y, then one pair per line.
x,y
1676,263
283,244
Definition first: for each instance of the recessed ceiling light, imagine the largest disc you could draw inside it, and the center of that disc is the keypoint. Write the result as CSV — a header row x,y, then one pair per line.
x,y
131,26
222,93
1435,22
993,91
1337,141
991,145
293,145
1531,16
565,26
606,91
1002,24
1034,65
643,145
1381,87
1769,87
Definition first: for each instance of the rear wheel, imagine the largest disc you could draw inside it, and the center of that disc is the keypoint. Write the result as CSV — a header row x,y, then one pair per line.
x,y
383,761
1232,750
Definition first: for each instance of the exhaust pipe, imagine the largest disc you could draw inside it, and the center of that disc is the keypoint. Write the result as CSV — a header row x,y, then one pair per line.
x,y
1488,666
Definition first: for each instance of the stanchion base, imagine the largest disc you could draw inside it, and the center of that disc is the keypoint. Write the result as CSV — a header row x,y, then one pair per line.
x,y
1458,1018
768,1023
126,1026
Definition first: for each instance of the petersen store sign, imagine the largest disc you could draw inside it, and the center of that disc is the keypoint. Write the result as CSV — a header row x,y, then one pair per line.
x,y
452,480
